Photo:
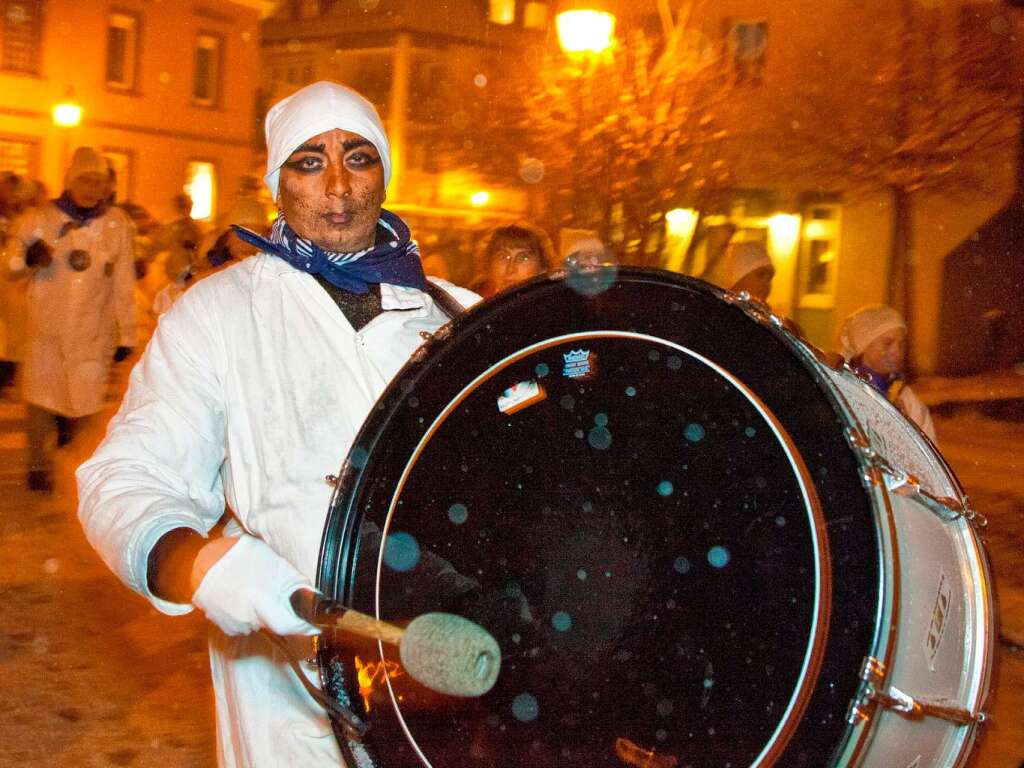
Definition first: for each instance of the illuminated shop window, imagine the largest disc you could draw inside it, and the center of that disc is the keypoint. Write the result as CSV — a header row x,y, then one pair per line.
x,y
201,186
535,15
18,156
502,11
819,255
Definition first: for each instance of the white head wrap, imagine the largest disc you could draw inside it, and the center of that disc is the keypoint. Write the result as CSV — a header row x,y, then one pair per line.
x,y
313,110
864,326
85,160
744,258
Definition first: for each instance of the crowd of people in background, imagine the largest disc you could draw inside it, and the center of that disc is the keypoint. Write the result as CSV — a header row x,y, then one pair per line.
x,y
83,281
64,317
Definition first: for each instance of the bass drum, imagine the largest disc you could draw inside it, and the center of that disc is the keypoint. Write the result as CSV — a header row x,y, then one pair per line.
x,y
696,545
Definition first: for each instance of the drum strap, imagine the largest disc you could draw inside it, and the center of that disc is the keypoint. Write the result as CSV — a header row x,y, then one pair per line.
x,y
444,300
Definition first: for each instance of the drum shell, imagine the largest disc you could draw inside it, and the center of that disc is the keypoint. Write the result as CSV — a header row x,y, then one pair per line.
x,y
936,628
899,603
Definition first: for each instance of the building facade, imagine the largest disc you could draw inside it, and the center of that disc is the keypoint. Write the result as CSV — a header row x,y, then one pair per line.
x,y
166,90
831,154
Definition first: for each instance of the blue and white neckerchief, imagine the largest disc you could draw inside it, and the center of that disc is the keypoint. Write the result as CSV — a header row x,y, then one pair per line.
x,y
394,258
80,217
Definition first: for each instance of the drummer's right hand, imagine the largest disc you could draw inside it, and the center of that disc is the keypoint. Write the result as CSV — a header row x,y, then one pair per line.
x,y
243,586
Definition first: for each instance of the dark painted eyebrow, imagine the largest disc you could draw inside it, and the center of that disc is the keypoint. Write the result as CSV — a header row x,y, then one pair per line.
x,y
310,148
353,143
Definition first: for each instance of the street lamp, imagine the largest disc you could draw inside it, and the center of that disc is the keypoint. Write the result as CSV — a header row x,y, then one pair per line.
x,y
585,30
68,113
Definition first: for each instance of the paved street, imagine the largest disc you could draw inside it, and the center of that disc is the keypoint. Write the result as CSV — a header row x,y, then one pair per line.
x,y
91,676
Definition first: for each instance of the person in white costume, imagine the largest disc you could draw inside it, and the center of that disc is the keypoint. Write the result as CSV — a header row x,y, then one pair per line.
x,y
253,388
76,254
874,341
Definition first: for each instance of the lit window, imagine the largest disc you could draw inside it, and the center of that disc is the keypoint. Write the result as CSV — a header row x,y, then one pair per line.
x,y
207,70
121,161
122,45
18,156
201,186
819,256
20,31
535,16
748,41
503,11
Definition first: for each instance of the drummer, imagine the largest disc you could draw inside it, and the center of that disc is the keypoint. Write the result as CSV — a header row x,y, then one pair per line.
x,y
874,341
253,388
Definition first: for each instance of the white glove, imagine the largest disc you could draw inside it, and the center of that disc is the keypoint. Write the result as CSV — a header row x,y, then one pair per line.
x,y
248,589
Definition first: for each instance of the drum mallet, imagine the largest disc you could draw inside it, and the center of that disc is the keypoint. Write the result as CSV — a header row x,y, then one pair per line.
x,y
444,652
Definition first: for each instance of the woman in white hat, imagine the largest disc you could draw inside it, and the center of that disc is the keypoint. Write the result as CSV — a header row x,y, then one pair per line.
x,y
874,341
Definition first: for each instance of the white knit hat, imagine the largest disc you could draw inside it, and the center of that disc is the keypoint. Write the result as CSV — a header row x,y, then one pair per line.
x,y
744,258
312,110
864,326
86,160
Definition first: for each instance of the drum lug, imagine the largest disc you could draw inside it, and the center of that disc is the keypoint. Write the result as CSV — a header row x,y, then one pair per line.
x,y
872,694
902,483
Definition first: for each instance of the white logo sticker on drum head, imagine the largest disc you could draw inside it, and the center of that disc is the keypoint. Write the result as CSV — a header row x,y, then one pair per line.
x,y
940,614
915,763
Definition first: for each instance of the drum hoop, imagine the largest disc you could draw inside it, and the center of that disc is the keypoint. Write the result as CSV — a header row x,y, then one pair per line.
x,y
885,642
822,560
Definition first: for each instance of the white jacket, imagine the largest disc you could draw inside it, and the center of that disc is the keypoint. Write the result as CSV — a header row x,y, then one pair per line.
x,y
75,319
912,407
253,388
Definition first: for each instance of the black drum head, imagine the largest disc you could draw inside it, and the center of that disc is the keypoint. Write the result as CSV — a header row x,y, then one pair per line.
x,y
646,498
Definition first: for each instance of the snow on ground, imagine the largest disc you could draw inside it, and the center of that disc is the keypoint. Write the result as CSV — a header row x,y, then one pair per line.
x,y
90,675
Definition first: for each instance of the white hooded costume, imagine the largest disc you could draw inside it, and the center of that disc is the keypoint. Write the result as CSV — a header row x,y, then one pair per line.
x,y
252,388
76,317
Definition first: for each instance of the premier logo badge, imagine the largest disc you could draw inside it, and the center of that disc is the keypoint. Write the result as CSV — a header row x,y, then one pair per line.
x,y
579,364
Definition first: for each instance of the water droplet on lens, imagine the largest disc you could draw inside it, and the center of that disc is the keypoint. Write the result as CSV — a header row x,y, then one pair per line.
x,y
458,513
358,457
694,432
630,391
601,420
581,574
542,370
401,552
665,707
673,362
561,621
525,708
749,431
665,488
532,170
599,438
780,521
590,268
568,402
681,565
718,556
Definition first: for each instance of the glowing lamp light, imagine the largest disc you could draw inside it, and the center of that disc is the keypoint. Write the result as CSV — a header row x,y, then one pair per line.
x,y
585,31
784,231
480,199
67,114
200,187
681,221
